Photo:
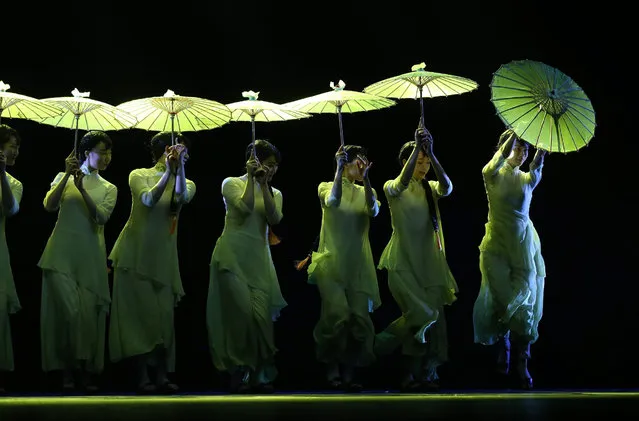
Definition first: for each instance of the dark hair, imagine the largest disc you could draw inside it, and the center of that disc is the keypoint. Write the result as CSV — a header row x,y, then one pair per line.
x,y
406,150
159,142
353,151
6,133
404,153
90,140
263,151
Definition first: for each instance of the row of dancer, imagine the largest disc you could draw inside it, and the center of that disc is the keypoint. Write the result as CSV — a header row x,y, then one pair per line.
x,y
244,297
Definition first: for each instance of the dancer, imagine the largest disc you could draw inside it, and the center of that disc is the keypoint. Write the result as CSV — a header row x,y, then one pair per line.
x,y
510,301
75,286
146,278
244,297
10,195
418,275
344,270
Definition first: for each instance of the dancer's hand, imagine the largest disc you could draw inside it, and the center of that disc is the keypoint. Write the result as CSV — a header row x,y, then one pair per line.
x,y
172,157
264,174
179,153
252,166
341,157
424,140
366,169
71,164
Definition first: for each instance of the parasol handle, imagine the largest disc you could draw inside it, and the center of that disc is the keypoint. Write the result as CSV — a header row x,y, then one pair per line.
x,y
173,208
172,117
421,107
253,136
341,127
559,141
75,141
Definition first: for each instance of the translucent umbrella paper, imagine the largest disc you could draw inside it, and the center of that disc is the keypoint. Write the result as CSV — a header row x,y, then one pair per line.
x,y
340,101
420,84
84,113
254,110
24,107
175,113
543,106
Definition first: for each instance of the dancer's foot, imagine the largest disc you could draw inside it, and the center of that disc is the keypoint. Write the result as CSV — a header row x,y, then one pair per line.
x,y
166,387
350,379
410,386
334,378
89,384
335,383
429,386
146,389
264,388
354,387
68,382
240,381
525,379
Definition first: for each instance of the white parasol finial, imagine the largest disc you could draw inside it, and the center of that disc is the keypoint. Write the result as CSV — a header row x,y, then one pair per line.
x,y
169,94
252,96
77,93
340,85
4,86
416,67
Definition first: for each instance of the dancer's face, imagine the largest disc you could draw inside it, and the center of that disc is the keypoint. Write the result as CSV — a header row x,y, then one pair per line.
x,y
422,166
99,157
519,154
270,167
11,150
355,170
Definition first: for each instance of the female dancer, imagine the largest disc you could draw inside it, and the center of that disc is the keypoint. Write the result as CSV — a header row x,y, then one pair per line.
x,y
344,271
10,195
75,286
146,280
418,274
244,295
510,301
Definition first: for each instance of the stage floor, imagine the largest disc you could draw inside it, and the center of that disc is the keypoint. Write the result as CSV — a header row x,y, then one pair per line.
x,y
493,405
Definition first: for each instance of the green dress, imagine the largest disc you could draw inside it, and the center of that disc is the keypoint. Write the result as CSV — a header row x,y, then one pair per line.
x,y
146,281
344,271
244,297
418,274
75,284
513,270
9,302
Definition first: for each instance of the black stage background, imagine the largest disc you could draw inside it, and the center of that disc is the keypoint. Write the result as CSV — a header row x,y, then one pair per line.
x,y
584,209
